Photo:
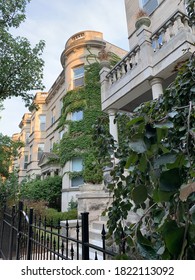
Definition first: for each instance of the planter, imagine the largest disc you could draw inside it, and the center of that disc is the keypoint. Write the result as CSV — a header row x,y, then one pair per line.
x,y
142,21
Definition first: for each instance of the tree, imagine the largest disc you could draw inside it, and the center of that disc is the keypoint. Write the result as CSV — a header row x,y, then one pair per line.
x,y
8,151
21,66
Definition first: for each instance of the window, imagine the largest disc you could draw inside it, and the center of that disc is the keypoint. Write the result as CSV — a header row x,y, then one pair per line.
x,y
61,133
77,166
42,120
51,143
32,125
25,161
30,153
53,115
77,115
27,137
78,76
61,106
40,150
149,5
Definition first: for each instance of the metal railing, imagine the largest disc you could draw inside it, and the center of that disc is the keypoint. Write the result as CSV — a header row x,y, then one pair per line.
x,y
24,236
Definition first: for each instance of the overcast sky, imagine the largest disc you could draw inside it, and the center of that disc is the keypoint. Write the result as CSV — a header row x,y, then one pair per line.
x,y
55,22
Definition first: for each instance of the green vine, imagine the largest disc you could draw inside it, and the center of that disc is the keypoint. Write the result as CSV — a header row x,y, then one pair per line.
x,y
77,141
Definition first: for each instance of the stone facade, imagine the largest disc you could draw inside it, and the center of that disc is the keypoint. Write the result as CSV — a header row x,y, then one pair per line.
x,y
42,123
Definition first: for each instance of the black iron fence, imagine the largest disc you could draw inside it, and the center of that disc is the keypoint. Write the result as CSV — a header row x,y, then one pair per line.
x,y
24,236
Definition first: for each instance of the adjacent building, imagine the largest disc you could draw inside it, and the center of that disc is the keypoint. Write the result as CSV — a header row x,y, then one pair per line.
x,y
159,42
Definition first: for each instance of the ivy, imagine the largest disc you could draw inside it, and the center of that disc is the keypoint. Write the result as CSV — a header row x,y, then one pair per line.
x,y
77,141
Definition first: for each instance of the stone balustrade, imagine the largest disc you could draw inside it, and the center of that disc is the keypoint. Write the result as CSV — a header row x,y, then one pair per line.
x,y
158,39
170,29
129,62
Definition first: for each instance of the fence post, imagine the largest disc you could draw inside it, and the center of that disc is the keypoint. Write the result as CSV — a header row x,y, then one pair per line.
x,y
30,233
85,235
19,230
2,228
11,234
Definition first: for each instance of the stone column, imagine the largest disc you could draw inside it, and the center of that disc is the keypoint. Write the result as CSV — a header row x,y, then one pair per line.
x,y
112,124
52,172
157,89
104,82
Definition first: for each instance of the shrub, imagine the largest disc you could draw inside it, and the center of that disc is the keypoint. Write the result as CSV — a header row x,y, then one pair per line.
x,y
48,190
53,217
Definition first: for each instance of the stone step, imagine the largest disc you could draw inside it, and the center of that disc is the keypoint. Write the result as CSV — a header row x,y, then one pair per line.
x,y
98,225
103,218
95,234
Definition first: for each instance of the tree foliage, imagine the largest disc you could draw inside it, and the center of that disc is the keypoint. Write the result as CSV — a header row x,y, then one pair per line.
x,y
21,66
48,190
8,151
153,177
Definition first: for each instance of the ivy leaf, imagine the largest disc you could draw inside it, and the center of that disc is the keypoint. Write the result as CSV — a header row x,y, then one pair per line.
x,y
164,159
138,146
131,160
163,125
135,121
139,194
173,236
193,89
170,180
162,196
173,114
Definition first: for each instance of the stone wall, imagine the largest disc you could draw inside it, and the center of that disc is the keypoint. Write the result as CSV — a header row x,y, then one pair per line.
x,y
93,199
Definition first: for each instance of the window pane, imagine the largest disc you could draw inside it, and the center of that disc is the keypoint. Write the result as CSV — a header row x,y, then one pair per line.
x,y
75,182
42,120
150,5
40,150
77,115
51,143
77,164
78,72
78,76
53,113
79,82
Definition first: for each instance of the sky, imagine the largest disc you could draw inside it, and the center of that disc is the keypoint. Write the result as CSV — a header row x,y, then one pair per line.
x,y
55,22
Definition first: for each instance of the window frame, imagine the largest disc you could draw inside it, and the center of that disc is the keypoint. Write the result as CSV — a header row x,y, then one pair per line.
x,y
41,123
25,161
79,178
78,77
39,153
53,115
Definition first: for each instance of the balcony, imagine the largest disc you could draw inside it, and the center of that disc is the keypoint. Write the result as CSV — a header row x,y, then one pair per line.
x,y
156,56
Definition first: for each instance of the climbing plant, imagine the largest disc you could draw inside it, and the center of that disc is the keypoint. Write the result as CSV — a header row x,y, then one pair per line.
x,y
152,177
77,139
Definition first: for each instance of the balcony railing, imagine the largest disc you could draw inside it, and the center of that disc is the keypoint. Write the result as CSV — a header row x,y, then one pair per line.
x,y
158,39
